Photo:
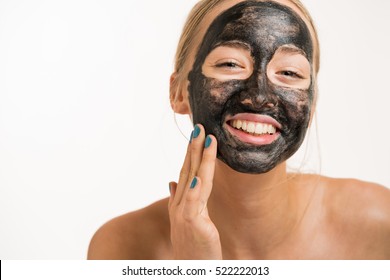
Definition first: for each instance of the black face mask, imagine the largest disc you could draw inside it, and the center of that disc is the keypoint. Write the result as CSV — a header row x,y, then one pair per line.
x,y
264,27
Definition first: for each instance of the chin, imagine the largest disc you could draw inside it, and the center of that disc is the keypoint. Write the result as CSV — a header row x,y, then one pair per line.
x,y
249,166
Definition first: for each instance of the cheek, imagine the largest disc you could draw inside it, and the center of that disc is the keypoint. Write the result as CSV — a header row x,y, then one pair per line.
x,y
298,100
217,93
296,105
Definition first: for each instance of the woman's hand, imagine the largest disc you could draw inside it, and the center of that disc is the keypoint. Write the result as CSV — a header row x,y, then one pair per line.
x,y
193,234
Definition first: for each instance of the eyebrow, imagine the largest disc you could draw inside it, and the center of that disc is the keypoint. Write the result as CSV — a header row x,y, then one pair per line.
x,y
234,44
288,49
291,49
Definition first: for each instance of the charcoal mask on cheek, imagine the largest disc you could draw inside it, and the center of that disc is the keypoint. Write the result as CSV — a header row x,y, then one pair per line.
x,y
264,27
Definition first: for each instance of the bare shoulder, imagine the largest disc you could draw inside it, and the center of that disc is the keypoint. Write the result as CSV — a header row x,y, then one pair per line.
x,y
367,199
142,234
361,211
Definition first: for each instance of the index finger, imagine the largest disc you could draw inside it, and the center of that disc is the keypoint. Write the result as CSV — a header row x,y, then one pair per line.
x,y
207,168
183,177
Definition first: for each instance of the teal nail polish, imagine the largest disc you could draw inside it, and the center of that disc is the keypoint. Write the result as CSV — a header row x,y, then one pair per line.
x,y
196,131
207,142
192,134
193,183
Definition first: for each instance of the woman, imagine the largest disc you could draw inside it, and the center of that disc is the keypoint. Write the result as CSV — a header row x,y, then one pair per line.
x,y
246,74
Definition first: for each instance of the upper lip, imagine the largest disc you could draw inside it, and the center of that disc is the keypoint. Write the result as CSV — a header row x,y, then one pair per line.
x,y
255,118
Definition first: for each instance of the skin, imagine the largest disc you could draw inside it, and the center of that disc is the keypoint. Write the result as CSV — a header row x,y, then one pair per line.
x,y
236,215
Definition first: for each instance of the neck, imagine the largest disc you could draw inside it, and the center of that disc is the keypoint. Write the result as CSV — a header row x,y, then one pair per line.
x,y
253,213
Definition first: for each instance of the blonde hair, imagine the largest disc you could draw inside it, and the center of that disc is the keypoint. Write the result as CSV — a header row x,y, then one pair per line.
x,y
198,13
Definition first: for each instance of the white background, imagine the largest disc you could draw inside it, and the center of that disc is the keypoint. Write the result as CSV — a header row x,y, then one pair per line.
x,y
86,131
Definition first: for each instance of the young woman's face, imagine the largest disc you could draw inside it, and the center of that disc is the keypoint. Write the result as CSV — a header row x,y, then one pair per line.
x,y
251,84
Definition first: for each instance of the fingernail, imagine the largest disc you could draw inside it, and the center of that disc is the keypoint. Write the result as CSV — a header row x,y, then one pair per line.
x,y
193,183
196,131
169,187
192,134
207,142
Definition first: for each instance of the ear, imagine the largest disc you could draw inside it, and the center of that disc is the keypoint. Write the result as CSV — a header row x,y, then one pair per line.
x,y
178,95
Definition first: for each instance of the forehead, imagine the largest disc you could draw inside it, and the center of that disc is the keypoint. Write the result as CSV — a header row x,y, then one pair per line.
x,y
259,23
225,5
221,8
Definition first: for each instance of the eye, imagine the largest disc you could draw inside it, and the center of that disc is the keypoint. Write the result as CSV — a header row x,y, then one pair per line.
x,y
289,67
290,74
228,64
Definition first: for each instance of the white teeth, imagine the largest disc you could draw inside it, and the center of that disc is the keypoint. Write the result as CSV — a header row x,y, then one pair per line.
x,y
259,128
265,128
238,124
250,127
254,128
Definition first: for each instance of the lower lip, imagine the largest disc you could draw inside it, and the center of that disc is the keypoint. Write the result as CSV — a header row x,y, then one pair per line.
x,y
264,139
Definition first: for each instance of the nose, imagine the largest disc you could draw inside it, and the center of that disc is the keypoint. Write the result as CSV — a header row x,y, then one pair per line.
x,y
258,95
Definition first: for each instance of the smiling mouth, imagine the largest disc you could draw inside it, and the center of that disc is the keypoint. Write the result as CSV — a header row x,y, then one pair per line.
x,y
253,128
